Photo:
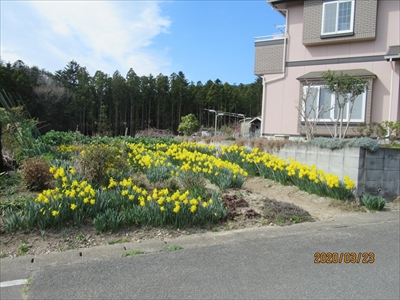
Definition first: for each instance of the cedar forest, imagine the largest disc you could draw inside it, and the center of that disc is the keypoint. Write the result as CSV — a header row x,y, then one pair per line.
x,y
71,99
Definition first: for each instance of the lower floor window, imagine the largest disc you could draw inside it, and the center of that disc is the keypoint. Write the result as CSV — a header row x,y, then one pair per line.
x,y
321,104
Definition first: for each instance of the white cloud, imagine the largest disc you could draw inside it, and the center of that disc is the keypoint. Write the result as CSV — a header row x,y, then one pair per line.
x,y
101,35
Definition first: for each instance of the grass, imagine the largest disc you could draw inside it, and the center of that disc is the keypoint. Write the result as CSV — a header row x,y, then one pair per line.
x,y
3,255
24,249
265,222
120,241
132,253
171,248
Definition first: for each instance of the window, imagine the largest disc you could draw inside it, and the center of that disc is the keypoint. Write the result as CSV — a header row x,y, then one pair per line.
x,y
320,102
337,17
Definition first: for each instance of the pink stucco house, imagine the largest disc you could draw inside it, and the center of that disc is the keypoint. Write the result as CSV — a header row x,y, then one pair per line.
x,y
356,37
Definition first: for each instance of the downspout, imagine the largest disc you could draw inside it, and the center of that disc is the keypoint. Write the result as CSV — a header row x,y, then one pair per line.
x,y
283,69
391,94
391,88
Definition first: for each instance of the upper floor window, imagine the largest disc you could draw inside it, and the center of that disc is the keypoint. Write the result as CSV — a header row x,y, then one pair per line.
x,y
337,17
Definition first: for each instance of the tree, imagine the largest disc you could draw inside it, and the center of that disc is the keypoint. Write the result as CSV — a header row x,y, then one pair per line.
x,y
118,84
189,125
101,85
133,88
162,89
346,89
53,101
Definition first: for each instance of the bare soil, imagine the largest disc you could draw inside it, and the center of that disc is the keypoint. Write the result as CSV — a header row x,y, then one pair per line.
x,y
258,203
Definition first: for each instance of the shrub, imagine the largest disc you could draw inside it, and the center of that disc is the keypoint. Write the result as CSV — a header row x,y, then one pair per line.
x,y
373,202
35,173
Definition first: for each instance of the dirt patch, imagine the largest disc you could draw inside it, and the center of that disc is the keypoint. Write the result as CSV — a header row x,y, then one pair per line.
x,y
320,208
261,202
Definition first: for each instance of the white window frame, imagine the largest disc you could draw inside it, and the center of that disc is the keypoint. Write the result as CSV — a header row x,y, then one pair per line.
x,y
337,31
332,117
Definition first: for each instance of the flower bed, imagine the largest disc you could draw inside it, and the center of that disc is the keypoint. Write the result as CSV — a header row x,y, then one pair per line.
x,y
156,184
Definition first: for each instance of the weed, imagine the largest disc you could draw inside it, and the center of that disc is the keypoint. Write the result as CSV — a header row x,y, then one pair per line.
x,y
279,220
3,255
133,252
295,219
171,248
373,202
27,284
283,212
81,238
64,234
216,229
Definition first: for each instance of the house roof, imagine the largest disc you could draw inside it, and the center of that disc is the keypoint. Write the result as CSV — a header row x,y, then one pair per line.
x,y
255,119
393,53
354,72
273,2
276,4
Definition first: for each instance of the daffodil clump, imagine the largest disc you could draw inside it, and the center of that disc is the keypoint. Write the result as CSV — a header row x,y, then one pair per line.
x,y
70,200
306,178
164,161
134,205
220,172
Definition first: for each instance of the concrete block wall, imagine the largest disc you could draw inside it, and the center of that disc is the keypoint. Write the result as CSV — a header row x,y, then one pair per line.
x,y
379,173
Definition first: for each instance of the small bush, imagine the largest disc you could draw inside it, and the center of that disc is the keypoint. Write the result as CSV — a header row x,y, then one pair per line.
x,y
58,138
335,143
194,183
373,202
35,173
99,162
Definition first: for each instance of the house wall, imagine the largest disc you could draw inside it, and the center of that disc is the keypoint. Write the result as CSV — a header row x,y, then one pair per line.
x,y
282,94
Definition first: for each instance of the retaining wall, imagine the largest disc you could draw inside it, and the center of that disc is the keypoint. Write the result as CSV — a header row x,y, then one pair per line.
x,y
374,173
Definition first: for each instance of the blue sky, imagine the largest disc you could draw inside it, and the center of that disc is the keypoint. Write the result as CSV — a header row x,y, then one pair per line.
x,y
203,39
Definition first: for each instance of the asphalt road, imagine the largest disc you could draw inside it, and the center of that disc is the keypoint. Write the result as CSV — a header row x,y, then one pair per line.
x,y
261,263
